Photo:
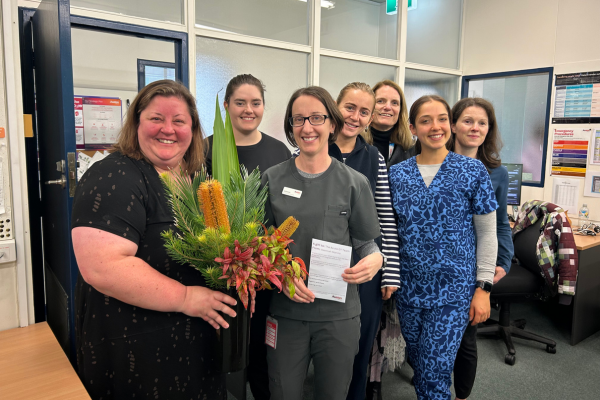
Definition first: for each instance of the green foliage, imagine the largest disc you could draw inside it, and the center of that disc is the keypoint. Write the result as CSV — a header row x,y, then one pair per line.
x,y
197,245
245,200
225,161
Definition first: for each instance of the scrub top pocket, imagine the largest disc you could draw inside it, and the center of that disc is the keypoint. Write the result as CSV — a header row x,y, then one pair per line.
x,y
335,224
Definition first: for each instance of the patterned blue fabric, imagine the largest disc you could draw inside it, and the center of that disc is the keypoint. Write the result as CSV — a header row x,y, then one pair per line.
x,y
435,227
432,338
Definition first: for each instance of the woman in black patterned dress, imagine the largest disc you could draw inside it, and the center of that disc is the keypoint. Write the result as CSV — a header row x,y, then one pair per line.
x,y
145,325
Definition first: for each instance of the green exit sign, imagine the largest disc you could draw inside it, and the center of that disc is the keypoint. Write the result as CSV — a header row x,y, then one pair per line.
x,y
391,6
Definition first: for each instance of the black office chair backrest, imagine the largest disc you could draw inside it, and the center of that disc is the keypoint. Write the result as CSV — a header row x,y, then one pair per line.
x,y
525,243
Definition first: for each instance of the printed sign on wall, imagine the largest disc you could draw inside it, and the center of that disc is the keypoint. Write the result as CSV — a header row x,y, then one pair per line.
x,y
101,120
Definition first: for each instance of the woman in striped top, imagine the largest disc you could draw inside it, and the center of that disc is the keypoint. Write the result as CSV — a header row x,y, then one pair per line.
x,y
356,102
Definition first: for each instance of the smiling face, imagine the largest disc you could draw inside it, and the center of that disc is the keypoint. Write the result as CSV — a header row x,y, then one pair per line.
x,y
357,109
387,108
246,108
165,131
471,129
312,140
432,126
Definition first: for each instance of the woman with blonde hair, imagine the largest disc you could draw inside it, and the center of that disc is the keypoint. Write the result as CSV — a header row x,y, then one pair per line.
x,y
356,102
390,134
389,129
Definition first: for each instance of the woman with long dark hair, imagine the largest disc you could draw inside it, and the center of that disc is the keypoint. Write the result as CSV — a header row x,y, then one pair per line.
x,y
475,135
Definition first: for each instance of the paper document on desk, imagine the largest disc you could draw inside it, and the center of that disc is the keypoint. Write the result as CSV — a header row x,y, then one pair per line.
x,y
327,264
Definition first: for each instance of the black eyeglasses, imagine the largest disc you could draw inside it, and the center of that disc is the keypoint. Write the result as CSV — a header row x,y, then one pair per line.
x,y
313,119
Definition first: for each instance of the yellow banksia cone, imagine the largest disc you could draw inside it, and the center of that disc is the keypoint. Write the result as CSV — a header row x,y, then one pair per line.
x,y
289,226
212,202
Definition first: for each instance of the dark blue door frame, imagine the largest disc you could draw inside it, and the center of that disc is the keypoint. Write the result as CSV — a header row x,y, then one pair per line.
x,y
179,38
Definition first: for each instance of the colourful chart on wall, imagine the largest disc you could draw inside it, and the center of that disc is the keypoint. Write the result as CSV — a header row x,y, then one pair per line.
x,y
570,152
577,98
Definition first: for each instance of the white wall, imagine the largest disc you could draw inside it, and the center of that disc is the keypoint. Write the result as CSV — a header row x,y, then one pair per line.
x,y
15,277
8,271
514,35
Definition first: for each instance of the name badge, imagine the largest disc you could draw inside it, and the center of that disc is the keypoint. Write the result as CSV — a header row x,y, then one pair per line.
x,y
271,332
292,192
391,150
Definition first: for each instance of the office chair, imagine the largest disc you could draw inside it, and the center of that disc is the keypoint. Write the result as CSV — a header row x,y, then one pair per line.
x,y
522,282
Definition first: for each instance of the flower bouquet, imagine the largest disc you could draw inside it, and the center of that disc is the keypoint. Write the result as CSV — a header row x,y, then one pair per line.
x,y
221,234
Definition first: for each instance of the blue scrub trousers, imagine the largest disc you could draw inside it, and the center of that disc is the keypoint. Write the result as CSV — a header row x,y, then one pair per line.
x,y
433,336
371,303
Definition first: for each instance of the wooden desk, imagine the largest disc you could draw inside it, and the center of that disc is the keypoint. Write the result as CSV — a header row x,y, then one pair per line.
x,y
586,242
34,366
586,303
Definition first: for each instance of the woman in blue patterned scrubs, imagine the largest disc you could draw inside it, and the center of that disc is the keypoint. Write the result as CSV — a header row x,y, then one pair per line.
x,y
440,198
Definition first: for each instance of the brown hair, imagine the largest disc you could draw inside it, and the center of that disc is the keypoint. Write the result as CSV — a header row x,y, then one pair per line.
x,y
400,133
416,106
244,79
489,151
330,106
128,143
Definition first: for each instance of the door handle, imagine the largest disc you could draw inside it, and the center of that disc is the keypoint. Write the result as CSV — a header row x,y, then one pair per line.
x,y
62,181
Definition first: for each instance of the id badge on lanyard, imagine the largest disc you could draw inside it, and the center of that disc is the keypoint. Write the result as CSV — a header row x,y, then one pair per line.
x,y
271,332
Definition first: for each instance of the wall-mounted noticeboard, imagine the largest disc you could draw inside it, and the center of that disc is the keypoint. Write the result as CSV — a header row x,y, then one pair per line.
x,y
577,98
97,121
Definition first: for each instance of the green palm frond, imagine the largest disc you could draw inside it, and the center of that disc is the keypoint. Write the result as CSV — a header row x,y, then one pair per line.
x,y
224,152
245,199
181,195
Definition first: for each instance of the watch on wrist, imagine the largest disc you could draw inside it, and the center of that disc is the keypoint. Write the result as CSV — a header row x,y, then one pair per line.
x,y
484,285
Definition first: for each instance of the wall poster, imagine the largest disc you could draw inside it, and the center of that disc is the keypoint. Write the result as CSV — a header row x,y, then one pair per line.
x,y
101,120
570,151
577,98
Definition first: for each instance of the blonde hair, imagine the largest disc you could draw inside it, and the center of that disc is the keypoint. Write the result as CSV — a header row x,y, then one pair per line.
x,y
400,134
363,87
128,143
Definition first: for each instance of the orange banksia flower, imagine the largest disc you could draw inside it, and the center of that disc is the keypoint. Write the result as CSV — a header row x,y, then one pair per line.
x,y
212,201
289,226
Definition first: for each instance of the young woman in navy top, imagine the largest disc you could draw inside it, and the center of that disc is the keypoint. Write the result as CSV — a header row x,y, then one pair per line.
x,y
475,134
356,103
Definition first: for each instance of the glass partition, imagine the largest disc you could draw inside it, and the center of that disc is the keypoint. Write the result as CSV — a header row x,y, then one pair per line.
x,y
285,20
335,73
434,33
419,83
360,27
160,10
281,71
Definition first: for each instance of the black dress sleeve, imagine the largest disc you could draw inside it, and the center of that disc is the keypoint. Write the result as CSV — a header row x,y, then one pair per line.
x,y
112,196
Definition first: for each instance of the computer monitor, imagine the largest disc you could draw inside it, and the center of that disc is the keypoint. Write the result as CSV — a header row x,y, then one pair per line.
x,y
515,178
